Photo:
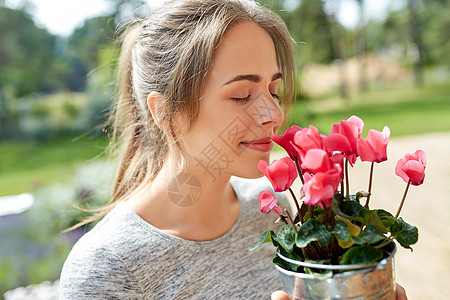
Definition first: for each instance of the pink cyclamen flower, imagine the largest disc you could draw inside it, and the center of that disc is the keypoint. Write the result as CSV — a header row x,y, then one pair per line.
x,y
281,173
316,160
374,147
306,139
412,167
286,139
351,129
268,202
320,188
337,142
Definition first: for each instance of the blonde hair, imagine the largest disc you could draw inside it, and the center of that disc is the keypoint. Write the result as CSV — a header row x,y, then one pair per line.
x,y
170,52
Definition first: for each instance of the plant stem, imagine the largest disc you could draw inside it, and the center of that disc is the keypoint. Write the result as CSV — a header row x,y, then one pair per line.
x,y
342,187
403,199
300,174
326,215
295,230
386,242
299,211
290,220
370,185
310,210
318,250
347,184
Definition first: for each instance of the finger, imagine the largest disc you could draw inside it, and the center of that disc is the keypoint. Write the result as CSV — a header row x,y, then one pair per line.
x,y
400,293
280,295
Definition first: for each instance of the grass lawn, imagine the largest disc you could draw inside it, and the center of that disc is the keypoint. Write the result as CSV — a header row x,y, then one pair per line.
x,y
25,166
406,111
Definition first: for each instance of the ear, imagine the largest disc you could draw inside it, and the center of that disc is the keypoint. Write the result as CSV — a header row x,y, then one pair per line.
x,y
154,101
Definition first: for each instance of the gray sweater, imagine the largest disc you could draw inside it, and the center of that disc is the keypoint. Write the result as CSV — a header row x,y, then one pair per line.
x,y
124,257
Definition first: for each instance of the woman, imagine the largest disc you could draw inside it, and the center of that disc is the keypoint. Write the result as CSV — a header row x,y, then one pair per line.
x,y
199,102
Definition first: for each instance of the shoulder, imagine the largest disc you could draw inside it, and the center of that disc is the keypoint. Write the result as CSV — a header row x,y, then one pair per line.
x,y
248,190
95,271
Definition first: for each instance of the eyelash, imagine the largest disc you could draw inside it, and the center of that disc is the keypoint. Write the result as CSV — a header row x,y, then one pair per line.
x,y
242,100
248,98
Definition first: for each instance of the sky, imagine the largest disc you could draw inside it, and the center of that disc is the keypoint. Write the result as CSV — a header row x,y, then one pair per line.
x,y
63,16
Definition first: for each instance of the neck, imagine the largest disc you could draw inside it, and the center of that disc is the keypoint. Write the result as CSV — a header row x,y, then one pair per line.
x,y
188,204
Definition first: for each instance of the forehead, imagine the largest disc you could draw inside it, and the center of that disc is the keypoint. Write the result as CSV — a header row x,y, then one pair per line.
x,y
246,48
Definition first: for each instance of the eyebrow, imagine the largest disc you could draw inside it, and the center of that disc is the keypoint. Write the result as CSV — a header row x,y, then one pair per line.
x,y
253,78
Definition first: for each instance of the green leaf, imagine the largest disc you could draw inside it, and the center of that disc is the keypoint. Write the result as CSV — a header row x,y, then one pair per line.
x,y
266,237
324,274
383,214
408,236
286,237
371,217
370,235
340,231
351,210
311,231
387,219
361,255
291,255
397,225
284,264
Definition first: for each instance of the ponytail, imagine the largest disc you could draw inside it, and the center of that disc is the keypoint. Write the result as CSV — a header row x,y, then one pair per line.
x,y
129,131
126,126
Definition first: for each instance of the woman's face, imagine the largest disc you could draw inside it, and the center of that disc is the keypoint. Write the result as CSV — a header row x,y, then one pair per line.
x,y
239,108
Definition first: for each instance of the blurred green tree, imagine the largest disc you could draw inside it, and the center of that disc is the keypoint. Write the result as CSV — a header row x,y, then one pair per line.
x,y
28,64
100,91
310,24
97,33
27,58
417,34
83,47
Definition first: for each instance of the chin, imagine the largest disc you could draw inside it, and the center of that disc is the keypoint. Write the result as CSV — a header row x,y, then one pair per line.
x,y
254,177
247,166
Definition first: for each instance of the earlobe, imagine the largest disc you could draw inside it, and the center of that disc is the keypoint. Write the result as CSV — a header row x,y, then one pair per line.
x,y
155,103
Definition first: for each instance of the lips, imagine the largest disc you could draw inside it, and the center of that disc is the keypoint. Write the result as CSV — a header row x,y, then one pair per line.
x,y
263,144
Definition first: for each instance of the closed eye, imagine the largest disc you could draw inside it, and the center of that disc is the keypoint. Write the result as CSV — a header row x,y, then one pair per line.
x,y
242,100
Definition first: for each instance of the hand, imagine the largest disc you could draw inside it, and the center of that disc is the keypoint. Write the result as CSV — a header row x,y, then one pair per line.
x,y
400,293
281,295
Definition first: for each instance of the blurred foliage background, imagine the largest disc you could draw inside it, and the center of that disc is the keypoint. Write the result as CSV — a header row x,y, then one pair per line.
x,y
56,92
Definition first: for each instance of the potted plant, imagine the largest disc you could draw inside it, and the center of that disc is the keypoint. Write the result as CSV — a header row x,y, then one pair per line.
x,y
335,245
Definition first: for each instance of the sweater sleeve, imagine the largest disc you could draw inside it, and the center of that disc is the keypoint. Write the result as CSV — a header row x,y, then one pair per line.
x,y
97,273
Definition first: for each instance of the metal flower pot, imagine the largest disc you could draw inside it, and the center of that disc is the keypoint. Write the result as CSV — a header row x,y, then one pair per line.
x,y
369,281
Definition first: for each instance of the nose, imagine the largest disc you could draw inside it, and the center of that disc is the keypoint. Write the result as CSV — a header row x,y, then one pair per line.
x,y
267,111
